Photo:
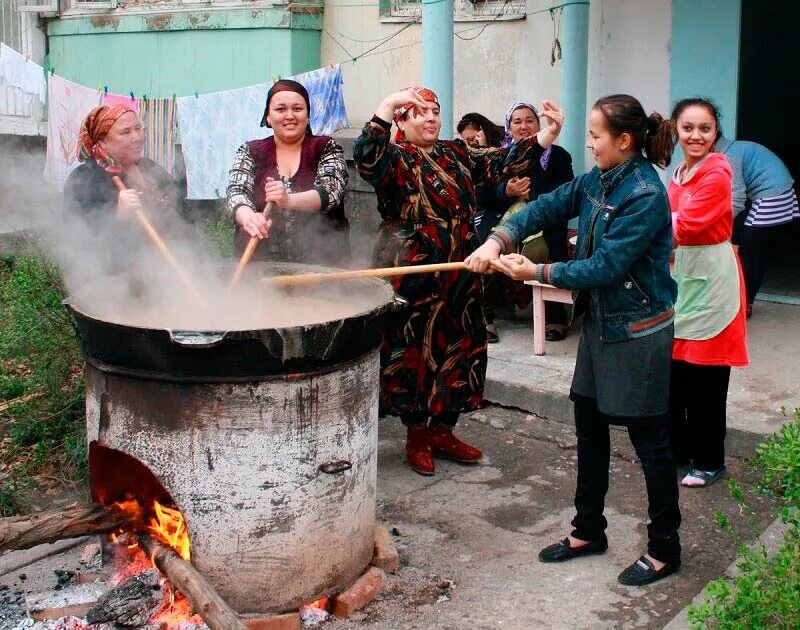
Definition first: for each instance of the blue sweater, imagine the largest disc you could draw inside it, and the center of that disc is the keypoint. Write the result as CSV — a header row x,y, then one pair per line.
x,y
757,172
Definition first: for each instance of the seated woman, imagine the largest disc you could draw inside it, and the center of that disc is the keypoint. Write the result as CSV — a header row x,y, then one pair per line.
x,y
433,357
303,175
544,176
111,142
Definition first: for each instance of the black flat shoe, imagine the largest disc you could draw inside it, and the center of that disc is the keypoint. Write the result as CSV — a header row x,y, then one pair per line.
x,y
491,334
642,572
554,335
561,551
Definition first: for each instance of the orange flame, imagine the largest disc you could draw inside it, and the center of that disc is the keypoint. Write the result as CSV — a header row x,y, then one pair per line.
x,y
166,524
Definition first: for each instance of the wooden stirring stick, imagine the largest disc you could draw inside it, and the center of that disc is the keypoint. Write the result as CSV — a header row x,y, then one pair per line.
x,y
249,251
161,245
382,272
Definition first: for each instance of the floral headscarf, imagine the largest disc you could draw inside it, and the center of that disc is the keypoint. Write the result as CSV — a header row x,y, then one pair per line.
x,y
399,114
94,128
508,141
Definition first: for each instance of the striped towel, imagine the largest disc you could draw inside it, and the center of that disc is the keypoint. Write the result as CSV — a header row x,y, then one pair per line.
x,y
769,211
158,120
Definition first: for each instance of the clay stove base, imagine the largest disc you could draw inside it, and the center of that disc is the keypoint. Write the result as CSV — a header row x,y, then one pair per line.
x,y
362,592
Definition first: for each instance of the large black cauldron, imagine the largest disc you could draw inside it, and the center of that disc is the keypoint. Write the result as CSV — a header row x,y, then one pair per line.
x,y
236,355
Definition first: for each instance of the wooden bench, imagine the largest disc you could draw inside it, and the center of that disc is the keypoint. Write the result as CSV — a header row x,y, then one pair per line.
x,y
544,293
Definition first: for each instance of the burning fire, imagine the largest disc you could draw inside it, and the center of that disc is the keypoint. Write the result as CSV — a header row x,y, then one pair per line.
x,y
166,524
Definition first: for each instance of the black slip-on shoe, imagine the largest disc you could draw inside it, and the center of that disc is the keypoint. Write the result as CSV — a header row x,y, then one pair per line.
x,y
642,572
561,551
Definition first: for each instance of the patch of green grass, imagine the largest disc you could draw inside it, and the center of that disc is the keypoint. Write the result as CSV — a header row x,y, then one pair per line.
x,y
219,230
765,594
40,367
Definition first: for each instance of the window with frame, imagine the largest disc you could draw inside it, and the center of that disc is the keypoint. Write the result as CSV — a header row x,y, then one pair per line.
x,y
463,10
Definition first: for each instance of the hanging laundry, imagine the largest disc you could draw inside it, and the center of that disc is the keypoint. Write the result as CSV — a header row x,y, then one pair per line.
x,y
19,72
68,105
118,99
158,119
213,126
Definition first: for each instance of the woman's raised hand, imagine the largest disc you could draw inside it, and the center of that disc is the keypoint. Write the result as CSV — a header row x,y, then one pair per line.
x,y
394,100
553,116
480,260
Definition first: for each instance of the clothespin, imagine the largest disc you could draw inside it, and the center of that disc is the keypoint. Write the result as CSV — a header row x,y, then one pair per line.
x,y
105,89
132,97
52,70
274,80
196,95
173,96
27,57
144,97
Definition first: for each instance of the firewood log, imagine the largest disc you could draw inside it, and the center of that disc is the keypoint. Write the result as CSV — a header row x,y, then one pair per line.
x,y
130,603
205,601
23,532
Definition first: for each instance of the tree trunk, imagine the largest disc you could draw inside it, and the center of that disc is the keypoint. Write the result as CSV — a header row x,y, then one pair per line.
x,y
205,601
23,532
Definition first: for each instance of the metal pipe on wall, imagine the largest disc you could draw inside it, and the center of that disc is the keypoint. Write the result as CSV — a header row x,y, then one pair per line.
x,y
574,62
437,57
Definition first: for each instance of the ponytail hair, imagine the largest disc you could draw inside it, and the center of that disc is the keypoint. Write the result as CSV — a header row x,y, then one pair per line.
x,y
652,135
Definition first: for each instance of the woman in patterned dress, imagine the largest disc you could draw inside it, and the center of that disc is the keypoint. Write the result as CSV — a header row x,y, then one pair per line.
x,y
303,175
433,357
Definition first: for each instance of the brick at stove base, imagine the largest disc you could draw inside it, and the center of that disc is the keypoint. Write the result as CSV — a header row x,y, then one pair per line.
x,y
385,556
286,621
365,589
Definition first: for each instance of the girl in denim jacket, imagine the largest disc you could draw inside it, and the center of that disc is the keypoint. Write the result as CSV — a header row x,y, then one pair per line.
x,y
622,284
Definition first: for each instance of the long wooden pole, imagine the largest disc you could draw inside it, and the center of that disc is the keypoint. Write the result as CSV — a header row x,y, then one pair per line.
x,y
24,532
382,272
252,244
205,601
162,246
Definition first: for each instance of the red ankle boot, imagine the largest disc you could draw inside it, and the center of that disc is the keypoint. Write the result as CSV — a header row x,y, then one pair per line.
x,y
418,450
445,444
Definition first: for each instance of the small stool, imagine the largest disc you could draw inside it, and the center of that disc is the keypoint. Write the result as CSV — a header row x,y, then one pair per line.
x,y
544,293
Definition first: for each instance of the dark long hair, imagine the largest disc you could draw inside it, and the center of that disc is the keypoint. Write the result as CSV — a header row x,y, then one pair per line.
x,y
652,135
708,104
493,133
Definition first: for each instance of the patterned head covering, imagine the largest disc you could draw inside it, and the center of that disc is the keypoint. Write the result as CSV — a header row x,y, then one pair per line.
x,y
400,113
94,128
287,85
508,141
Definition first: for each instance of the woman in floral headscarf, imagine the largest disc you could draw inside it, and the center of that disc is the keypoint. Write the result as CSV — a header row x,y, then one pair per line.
x,y
111,141
433,357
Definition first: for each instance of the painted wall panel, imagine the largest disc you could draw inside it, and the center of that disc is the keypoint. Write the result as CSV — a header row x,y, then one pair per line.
x,y
181,56
705,53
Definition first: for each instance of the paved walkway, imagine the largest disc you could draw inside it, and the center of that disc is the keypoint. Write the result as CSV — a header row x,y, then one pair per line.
x,y
540,385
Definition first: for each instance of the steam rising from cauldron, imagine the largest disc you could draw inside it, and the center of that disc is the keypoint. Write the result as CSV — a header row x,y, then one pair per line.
x,y
113,272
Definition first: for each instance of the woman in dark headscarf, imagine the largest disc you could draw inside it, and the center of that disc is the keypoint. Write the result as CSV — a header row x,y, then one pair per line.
x,y
303,175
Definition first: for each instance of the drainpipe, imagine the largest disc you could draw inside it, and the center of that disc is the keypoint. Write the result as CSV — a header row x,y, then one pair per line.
x,y
574,60
437,57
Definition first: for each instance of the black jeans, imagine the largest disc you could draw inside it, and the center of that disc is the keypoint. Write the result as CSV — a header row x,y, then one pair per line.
x,y
754,243
448,418
698,397
652,448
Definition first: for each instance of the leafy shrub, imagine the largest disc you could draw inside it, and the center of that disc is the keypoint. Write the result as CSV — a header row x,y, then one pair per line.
x,y
766,590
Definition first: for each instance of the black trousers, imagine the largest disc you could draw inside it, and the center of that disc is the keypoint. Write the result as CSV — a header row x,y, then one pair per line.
x,y
652,448
449,419
754,243
698,397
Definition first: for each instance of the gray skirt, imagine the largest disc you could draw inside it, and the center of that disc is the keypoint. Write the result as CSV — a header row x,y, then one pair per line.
x,y
628,379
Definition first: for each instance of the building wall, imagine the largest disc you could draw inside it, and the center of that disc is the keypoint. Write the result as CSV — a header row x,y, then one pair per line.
x,y
511,60
181,52
705,53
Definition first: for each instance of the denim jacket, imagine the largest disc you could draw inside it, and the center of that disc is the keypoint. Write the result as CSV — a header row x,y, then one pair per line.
x,y
623,249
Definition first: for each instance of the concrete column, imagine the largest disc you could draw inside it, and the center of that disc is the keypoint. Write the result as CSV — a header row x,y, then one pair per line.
x,y
574,61
437,57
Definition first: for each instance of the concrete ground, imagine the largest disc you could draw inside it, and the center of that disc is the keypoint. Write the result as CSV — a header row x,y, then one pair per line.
x,y
540,385
468,537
